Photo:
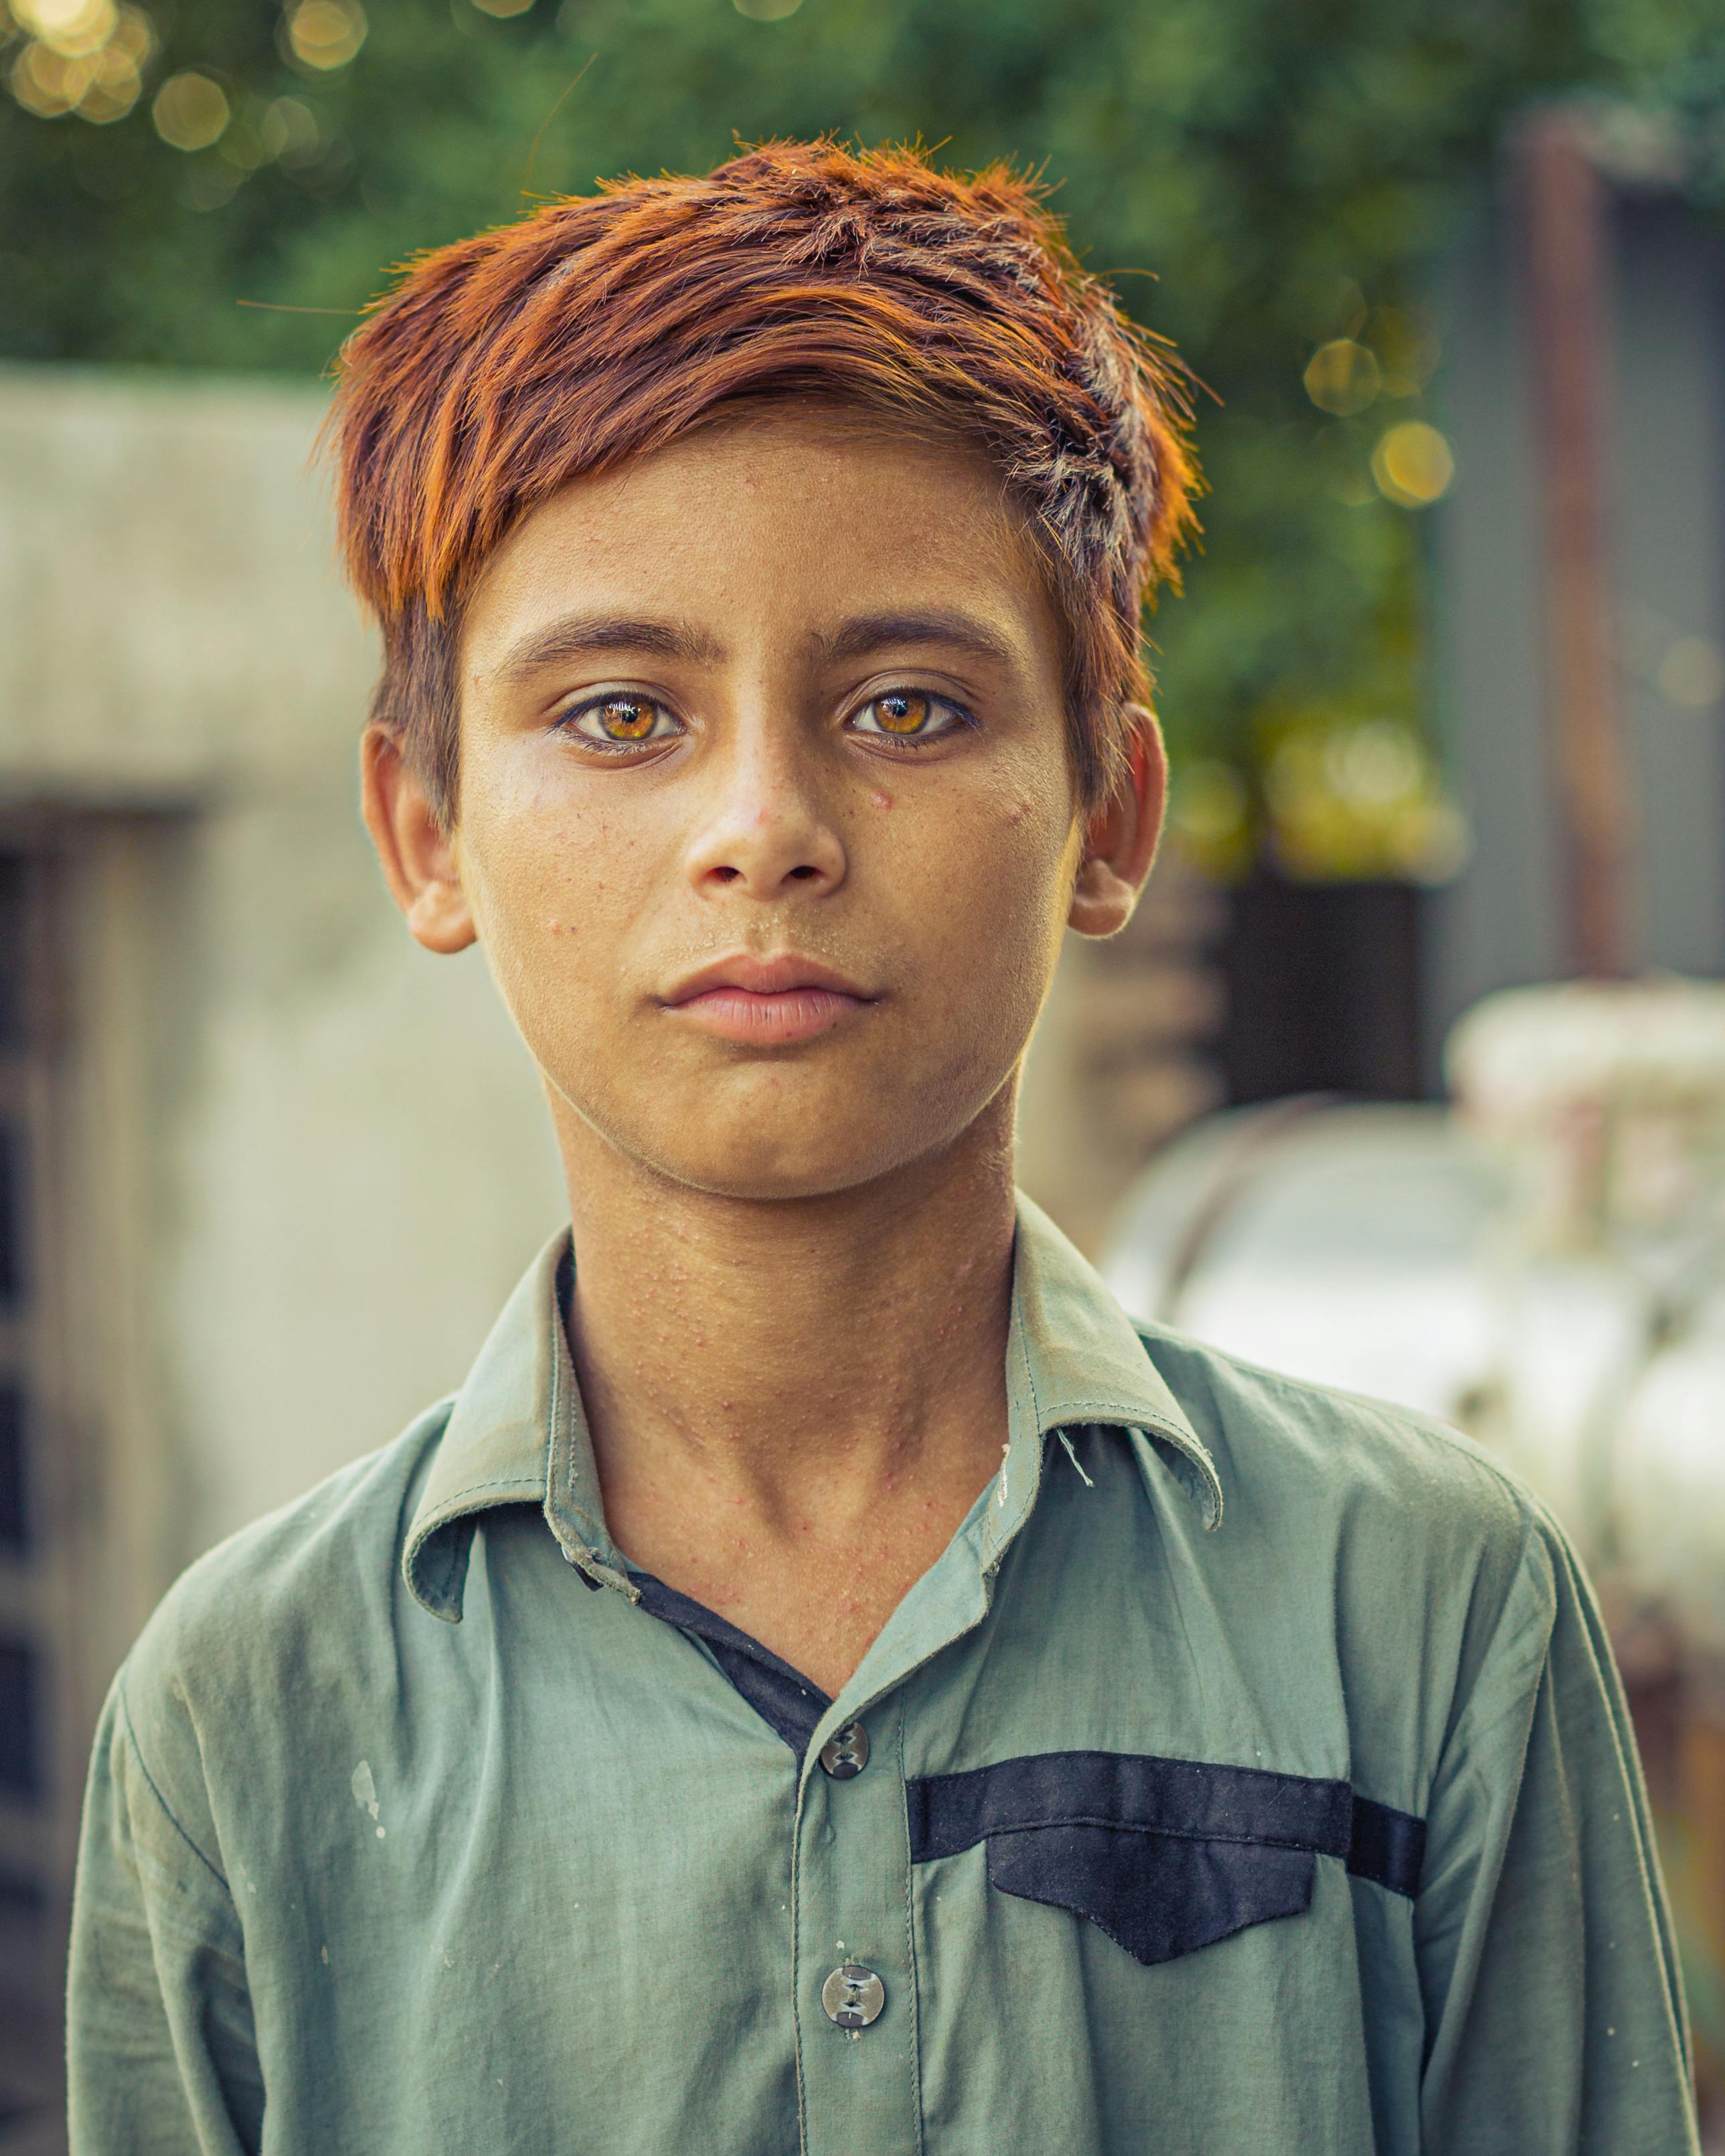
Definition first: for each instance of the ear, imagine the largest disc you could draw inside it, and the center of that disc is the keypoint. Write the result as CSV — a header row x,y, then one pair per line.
x,y
418,854
1120,837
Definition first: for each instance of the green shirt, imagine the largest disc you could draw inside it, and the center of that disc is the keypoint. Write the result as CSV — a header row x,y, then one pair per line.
x,y
1248,1776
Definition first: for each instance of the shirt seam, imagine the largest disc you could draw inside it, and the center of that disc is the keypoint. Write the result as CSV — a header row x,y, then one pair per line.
x,y
1472,1772
1113,1416
444,1517
167,1809
994,1555
1463,1708
916,2001
803,1775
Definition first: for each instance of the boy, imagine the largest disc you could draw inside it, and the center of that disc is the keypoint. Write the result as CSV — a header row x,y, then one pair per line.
x,y
829,1681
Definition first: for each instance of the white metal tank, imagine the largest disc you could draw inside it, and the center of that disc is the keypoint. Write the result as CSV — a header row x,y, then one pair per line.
x,y
1543,1264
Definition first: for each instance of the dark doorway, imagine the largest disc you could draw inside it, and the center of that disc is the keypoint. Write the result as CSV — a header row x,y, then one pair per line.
x,y
1322,990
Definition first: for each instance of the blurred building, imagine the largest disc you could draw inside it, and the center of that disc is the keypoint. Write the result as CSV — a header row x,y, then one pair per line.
x,y
1577,617
239,1242
1653,328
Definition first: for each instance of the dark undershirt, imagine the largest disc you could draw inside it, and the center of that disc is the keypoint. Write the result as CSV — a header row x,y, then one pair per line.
x,y
786,1701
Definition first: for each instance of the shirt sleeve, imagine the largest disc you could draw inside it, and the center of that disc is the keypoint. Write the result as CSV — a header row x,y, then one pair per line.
x,y
1555,2011
160,2054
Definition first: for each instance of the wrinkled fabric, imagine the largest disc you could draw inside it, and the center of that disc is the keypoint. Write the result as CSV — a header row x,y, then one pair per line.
x,y
418,1822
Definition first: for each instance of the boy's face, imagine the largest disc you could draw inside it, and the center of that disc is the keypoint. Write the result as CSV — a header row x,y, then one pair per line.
x,y
766,821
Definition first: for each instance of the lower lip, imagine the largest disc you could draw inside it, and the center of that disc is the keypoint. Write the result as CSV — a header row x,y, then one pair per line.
x,y
742,1015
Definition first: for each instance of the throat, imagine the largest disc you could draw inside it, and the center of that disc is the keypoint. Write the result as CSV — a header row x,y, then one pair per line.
x,y
793,1404
816,1593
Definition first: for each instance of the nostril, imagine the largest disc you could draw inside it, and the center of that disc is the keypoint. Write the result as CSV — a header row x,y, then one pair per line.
x,y
803,871
724,874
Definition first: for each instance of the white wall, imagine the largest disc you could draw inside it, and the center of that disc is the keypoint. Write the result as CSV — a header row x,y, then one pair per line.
x,y
345,1163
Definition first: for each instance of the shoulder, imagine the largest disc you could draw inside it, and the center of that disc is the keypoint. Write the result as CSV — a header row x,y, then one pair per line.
x,y
1379,1489
296,1603
1403,1558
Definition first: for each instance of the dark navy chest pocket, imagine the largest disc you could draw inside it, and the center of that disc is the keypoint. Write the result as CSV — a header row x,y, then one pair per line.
x,y
1164,1855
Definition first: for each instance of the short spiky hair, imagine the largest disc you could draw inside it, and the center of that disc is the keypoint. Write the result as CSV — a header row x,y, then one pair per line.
x,y
600,326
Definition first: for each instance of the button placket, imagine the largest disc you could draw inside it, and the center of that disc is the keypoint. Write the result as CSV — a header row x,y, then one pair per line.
x,y
855,2006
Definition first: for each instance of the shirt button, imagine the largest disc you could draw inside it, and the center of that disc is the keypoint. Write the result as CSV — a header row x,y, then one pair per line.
x,y
846,1753
853,1996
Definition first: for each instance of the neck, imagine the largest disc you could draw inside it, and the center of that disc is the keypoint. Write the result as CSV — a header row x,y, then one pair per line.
x,y
790,1346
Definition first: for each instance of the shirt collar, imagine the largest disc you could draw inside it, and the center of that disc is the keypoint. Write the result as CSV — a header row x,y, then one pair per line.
x,y
517,1434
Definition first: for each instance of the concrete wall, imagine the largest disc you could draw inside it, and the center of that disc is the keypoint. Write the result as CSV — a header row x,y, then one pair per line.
x,y
312,1254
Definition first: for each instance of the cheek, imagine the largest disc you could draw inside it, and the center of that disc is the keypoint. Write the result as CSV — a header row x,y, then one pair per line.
x,y
552,885
1004,888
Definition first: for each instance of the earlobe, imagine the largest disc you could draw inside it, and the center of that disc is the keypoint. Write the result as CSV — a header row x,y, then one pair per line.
x,y
416,854
1121,837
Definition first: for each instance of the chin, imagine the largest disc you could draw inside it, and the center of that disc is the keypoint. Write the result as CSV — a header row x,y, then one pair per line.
x,y
813,1152
776,1172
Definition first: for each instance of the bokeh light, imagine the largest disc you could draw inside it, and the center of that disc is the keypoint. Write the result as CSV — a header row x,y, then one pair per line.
x,y
74,28
325,33
1413,464
1343,377
1354,796
190,110
1210,817
290,131
1408,350
83,56
1691,674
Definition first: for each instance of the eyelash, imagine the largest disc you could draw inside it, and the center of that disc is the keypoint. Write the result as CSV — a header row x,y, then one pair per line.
x,y
957,719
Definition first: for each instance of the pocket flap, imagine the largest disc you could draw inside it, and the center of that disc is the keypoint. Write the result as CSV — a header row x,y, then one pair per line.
x,y
1157,1895
1163,1855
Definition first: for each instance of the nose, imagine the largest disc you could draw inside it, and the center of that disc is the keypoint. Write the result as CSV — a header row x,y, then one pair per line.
x,y
767,834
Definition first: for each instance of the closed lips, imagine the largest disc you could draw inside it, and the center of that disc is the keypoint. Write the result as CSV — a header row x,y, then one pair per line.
x,y
768,1000
786,974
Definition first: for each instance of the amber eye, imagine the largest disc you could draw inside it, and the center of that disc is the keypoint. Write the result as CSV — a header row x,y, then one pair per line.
x,y
911,716
625,718
903,712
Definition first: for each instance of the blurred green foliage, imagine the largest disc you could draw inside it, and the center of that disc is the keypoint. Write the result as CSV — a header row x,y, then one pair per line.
x,y
1261,176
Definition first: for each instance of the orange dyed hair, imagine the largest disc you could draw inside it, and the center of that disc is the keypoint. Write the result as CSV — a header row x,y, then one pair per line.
x,y
604,325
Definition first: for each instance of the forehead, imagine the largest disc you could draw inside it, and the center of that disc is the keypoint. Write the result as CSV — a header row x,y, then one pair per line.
x,y
776,522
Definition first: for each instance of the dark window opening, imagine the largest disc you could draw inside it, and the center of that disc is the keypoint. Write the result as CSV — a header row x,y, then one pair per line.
x,y
20,1896
14,1500
19,1771
13,1272
1323,990
14,952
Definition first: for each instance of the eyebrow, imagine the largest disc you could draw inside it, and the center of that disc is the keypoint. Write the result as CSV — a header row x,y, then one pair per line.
x,y
579,635
873,632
